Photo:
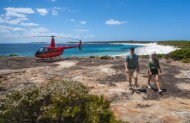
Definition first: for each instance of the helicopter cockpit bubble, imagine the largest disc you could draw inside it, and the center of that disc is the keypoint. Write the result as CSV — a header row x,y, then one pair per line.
x,y
40,51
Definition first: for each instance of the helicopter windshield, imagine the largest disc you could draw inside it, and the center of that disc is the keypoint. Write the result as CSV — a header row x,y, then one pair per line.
x,y
40,51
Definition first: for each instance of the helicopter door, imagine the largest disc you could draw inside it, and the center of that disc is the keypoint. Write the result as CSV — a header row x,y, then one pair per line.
x,y
50,50
45,50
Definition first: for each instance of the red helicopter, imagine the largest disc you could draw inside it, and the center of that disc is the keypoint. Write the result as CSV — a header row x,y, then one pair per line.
x,y
52,51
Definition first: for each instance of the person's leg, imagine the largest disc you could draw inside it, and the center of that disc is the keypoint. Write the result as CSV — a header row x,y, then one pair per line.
x,y
130,78
130,85
158,82
135,74
149,78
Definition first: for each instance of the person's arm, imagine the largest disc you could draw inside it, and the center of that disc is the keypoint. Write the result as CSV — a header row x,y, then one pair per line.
x,y
149,71
126,66
159,66
137,63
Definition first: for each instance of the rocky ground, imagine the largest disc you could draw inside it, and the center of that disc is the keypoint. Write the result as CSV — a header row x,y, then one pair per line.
x,y
107,77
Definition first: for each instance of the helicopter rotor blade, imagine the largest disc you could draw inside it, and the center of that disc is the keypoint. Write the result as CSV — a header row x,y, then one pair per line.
x,y
28,37
69,38
45,36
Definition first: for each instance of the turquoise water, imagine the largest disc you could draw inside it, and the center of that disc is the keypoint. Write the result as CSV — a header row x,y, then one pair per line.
x,y
87,49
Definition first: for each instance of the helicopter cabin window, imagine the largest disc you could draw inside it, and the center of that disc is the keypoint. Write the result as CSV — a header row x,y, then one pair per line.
x,y
45,50
51,50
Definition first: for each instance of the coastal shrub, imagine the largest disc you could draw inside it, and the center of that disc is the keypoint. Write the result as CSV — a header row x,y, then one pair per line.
x,y
160,56
13,55
93,57
144,56
58,101
165,56
106,57
176,43
186,60
180,54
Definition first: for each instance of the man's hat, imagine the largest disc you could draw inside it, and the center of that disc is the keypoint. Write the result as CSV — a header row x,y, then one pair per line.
x,y
132,48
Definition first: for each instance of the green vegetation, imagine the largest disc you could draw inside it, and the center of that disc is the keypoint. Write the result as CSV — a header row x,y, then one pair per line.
x,y
92,57
106,57
158,56
176,43
161,56
13,55
58,101
180,54
186,60
144,56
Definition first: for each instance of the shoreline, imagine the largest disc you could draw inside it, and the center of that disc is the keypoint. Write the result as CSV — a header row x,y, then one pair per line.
x,y
144,49
148,48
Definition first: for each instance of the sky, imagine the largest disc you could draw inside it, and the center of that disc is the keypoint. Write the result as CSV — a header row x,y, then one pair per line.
x,y
95,20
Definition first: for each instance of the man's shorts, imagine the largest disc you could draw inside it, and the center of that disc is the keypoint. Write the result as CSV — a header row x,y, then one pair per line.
x,y
132,73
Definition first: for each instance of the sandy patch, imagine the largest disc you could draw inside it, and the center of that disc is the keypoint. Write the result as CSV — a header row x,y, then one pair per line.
x,y
65,64
106,69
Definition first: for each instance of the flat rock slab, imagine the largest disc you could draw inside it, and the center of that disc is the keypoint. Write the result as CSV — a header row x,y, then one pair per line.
x,y
108,78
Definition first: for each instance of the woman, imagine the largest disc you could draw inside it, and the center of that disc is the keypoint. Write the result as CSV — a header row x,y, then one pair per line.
x,y
153,66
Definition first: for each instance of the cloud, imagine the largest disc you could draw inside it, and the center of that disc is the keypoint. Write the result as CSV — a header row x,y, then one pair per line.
x,y
29,24
14,15
12,21
55,11
82,22
42,11
9,29
114,22
66,9
39,29
5,29
18,12
18,29
28,31
81,30
72,20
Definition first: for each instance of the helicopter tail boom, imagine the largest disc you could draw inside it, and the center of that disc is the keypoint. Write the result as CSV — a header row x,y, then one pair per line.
x,y
76,46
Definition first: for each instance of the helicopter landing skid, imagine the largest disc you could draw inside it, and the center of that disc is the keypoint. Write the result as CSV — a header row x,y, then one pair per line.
x,y
62,58
53,59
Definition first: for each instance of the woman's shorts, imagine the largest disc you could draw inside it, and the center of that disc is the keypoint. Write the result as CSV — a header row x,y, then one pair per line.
x,y
154,71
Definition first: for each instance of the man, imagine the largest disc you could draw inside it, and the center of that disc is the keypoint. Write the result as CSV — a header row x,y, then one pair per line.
x,y
132,67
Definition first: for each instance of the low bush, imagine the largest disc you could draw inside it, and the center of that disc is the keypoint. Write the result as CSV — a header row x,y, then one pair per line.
x,y
106,57
176,43
13,55
186,60
180,54
56,102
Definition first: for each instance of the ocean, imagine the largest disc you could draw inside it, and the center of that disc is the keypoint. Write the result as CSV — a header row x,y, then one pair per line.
x,y
29,49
